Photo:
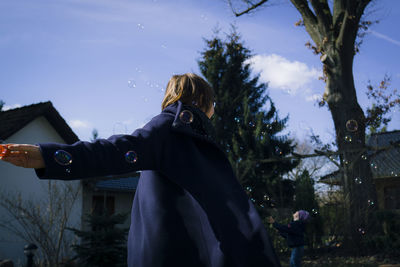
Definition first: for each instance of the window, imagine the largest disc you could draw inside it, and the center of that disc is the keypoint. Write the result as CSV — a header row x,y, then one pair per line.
x,y
392,197
103,204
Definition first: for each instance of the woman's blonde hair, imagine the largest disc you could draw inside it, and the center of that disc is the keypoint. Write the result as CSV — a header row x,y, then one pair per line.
x,y
191,90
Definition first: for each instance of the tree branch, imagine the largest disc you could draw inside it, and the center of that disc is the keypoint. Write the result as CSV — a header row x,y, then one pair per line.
x,y
339,7
253,6
361,7
353,11
328,153
324,16
309,19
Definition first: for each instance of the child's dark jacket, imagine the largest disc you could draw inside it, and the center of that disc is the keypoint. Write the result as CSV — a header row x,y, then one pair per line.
x,y
189,210
293,232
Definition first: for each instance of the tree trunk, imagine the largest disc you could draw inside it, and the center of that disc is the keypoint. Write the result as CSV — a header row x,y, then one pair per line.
x,y
349,122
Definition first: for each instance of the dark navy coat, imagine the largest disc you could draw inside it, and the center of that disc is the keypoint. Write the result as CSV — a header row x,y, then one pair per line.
x,y
189,209
293,232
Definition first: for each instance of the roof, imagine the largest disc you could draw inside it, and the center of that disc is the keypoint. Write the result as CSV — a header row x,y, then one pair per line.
x,y
122,184
384,163
126,182
384,139
13,120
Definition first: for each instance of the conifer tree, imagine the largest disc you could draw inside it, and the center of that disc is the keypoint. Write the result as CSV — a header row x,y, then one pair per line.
x,y
305,199
103,245
246,121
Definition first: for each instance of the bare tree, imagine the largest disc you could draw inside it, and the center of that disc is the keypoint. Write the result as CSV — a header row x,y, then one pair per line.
x,y
42,221
316,166
336,28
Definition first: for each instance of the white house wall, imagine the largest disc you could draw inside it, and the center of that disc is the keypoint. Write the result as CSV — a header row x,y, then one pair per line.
x,y
24,181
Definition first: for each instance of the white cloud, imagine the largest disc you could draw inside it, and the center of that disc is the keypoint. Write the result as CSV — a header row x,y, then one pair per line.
x,y
283,74
313,97
78,124
7,107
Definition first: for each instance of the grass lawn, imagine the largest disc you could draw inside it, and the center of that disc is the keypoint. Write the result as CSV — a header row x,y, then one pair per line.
x,y
335,262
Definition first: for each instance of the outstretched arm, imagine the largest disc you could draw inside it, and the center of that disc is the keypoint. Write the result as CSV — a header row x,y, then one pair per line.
x,y
116,155
291,228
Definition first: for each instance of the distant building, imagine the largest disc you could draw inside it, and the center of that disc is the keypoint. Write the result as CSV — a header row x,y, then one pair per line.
x,y
385,168
41,123
113,194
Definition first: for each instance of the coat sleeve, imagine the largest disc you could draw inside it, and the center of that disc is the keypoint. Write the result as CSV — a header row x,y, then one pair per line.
x,y
107,156
291,228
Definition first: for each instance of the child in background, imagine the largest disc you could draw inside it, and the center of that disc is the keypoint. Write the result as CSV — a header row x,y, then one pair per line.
x,y
294,235
189,209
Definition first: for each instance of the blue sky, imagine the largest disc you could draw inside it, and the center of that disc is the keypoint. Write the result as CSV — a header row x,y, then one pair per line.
x,y
104,63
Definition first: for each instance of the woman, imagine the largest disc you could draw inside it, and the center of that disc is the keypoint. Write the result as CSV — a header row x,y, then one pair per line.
x,y
189,209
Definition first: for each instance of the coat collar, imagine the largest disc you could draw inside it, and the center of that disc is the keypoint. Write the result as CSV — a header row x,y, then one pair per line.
x,y
191,121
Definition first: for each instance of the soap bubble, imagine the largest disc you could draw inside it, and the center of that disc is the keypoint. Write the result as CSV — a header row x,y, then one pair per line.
x,y
249,189
361,231
352,125
63,157
348,138
131,156
314,211
131,84
186,117
371,202
358,180
364,157
252,124
278,151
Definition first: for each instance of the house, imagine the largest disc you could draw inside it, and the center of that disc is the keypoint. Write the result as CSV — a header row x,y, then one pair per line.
x,y
384,158
42,123
112,194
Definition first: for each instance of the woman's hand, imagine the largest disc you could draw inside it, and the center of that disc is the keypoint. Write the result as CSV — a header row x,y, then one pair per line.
x,y
27,156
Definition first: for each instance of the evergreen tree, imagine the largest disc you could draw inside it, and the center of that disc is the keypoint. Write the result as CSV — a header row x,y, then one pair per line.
x,y
305,193
246,121
305,199
105,244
